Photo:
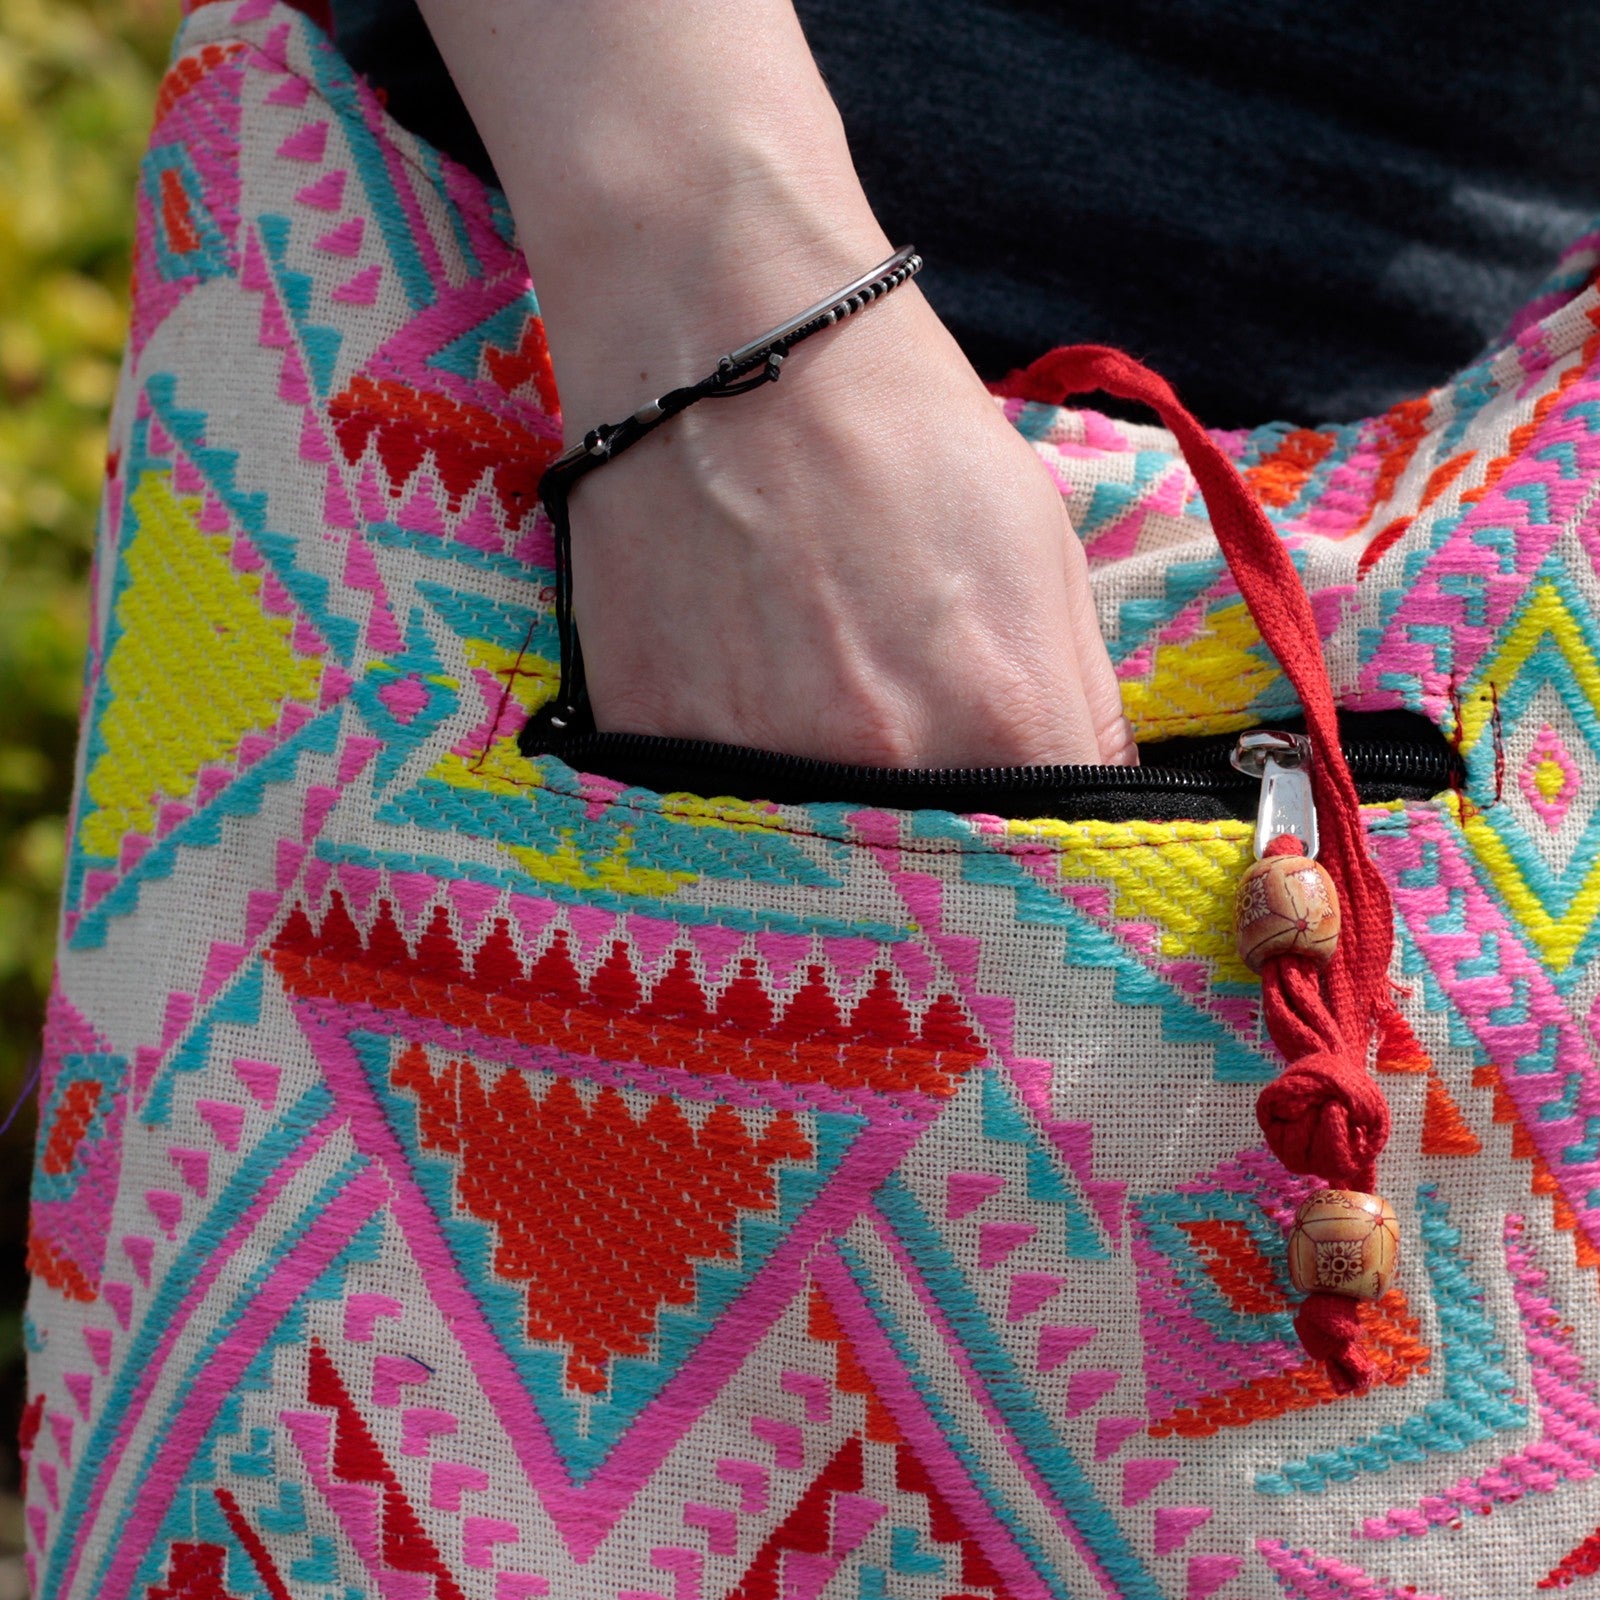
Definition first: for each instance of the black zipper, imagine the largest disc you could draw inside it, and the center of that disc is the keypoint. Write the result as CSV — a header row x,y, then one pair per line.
x,y
1393,755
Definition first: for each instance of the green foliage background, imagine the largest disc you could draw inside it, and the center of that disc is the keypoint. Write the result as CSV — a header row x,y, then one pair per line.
x,y
77,83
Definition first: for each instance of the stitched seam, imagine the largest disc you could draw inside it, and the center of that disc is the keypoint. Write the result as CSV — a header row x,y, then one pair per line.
x,y
997,844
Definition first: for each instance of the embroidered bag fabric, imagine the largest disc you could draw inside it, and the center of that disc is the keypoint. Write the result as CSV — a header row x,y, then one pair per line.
x,y
464,1177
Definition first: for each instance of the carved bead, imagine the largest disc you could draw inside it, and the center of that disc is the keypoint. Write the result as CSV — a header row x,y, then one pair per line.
x,y
1343,1242
1286,905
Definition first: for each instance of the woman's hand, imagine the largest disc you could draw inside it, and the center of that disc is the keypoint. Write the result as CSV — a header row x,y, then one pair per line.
x,y
863,562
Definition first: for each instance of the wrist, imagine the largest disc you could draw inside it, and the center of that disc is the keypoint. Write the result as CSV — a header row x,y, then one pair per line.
x,y
644,305
678,171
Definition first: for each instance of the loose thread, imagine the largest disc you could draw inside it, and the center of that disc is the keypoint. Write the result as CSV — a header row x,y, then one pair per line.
x,y
23,1095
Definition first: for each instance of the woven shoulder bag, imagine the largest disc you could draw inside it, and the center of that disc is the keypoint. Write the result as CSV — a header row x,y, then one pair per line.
x,y
646,1174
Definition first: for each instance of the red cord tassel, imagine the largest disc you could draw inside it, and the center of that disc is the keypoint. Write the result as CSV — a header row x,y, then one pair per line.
x,y
1324,1114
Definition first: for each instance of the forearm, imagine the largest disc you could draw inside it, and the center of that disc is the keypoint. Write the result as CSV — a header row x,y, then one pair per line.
x,y
677,170
865,562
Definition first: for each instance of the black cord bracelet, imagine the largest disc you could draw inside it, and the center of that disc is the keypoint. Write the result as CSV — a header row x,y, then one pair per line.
x,y
759,362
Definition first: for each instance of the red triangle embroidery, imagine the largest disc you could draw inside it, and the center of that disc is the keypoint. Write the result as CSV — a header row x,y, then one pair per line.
x,y
600,1213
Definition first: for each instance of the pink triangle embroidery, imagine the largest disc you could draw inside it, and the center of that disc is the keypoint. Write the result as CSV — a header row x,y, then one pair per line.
x,y
305,144
362,289
326,194
344,240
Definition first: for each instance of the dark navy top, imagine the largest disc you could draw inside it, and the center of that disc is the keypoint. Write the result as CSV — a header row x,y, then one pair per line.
x,y
1303,213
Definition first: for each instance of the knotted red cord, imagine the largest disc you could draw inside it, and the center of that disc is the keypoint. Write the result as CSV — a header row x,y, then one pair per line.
x,y
1324,1115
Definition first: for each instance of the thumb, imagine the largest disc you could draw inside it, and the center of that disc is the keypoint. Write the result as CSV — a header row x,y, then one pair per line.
x,y
1102,693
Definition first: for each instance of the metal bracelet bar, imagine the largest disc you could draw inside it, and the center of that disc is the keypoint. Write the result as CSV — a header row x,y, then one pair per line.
x,y
890,274
905,258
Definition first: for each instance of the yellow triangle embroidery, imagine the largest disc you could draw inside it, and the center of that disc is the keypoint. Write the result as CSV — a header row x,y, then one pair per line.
x,y
198,664
1204,684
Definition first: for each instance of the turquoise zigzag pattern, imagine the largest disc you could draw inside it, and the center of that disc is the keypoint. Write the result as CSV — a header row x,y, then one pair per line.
x,y
1090,945
1478,1399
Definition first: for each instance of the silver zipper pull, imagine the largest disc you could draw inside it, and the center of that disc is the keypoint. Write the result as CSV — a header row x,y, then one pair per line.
x,y
1282,761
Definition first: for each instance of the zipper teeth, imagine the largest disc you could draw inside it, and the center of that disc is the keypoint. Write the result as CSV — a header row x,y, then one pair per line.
x,y
1404,761
1203,769
765,763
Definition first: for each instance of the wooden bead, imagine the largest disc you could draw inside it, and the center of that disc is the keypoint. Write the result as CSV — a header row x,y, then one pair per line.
x,y
1286,905
1343,1242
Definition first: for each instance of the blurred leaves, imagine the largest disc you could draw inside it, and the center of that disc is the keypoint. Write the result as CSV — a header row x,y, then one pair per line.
x,y
77,82
77,85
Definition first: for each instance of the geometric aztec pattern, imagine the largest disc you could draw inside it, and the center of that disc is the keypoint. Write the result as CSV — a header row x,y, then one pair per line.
x,y
463,1178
